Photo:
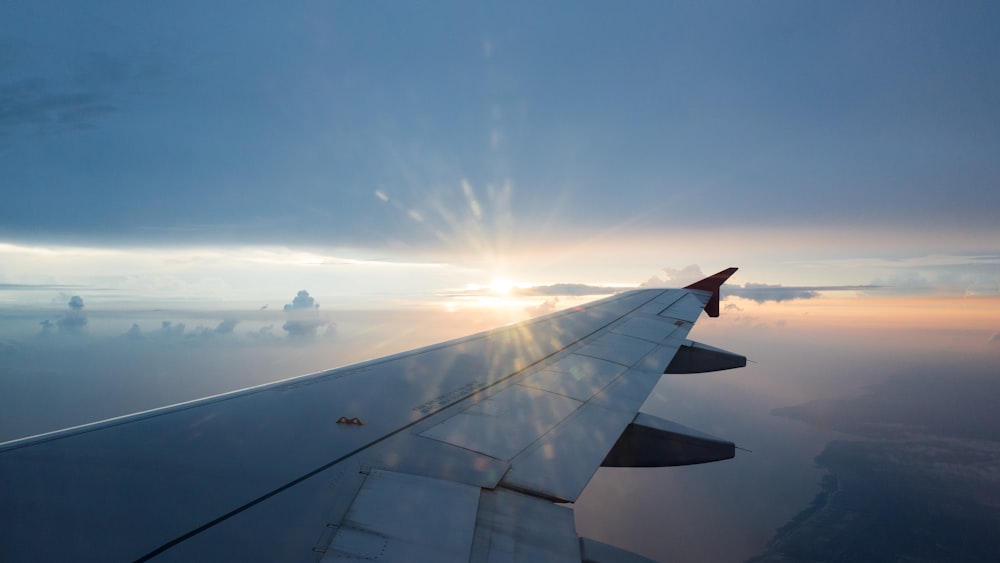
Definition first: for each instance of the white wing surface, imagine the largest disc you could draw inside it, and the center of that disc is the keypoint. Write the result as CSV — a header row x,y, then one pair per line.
x,y
453,452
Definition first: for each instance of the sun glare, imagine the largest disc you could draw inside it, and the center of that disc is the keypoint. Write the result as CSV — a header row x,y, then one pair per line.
x,y
501,286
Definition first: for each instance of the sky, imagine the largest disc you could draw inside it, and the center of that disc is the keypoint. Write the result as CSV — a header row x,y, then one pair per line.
x,y
256,191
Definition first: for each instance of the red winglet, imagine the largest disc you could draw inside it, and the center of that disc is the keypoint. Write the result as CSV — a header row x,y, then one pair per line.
x,y
713,283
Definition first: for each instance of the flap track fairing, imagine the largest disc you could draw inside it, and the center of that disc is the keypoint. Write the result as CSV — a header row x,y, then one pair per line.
x,y
650,441
695,357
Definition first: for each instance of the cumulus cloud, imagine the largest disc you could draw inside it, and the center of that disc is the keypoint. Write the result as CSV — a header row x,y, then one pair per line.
x,y
170,330
224,329
305,320
302,301
73,322
995,339
134,333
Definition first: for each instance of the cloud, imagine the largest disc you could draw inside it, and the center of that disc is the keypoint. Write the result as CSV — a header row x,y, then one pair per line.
x,y
759,292
224,329
653,281
995,339
673,277
170,330
302,301
35,287
544,308
762,292
134,333
305,321
226,326
306,328
264,334
946,274
47,327
962,279
72,322
176,332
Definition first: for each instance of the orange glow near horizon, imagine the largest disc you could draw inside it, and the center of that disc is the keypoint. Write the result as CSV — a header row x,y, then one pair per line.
x,y
921,324
959,312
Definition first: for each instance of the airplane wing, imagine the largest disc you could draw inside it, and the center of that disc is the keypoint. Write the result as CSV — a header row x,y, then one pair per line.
x,y
454,452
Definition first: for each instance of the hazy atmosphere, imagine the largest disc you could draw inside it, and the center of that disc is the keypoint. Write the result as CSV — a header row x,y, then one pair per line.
x,y
199,198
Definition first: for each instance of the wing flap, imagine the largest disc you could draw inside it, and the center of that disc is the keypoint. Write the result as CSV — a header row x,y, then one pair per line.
x,y
397,517
419,455
511,526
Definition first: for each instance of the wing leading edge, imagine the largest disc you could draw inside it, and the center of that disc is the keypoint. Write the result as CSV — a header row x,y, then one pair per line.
x,y
464,447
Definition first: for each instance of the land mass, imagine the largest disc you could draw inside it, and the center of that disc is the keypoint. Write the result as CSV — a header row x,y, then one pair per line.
x,y
920,483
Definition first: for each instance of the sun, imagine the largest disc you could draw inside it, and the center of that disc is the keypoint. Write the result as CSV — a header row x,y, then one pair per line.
x,y
501,286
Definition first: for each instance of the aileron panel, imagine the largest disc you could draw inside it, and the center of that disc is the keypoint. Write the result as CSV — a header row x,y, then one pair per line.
x,y
506,423
397,516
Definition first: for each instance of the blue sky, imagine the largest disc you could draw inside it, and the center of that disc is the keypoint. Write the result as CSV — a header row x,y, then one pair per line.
x,y
430,170
448,126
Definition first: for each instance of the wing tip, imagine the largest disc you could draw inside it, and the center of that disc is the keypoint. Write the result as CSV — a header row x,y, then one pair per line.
x,y
713,283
